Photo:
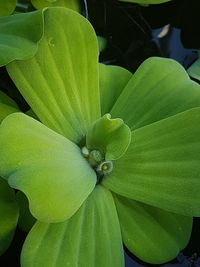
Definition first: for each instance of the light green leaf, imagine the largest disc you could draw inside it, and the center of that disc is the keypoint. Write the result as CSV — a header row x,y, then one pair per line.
x,y
161,166
26,220
145,2
19,35
7,7
7,100
194,70
153,235
90,238
48,168
160,88
60,82
9,215
109,136
73,4
112,80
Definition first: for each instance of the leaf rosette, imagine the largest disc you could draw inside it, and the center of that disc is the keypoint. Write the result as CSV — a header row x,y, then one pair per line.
x,y
114,156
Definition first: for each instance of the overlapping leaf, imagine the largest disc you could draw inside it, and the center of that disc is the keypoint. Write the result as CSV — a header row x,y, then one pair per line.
x,y
19,36
7,106
60,82
152,234
90,238
158,89
5,110
161,166
7,100
112,80
46,166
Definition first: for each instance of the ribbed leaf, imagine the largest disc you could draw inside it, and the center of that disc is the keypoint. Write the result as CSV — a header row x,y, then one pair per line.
x,y
73,4
160,88
60,82
162,165
7,7
90,238
110,136
112,80
9,213
46,166
153,235
19,35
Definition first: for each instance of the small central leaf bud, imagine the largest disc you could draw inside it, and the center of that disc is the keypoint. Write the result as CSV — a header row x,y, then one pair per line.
x,y
96,155
97,162
95,158
105,167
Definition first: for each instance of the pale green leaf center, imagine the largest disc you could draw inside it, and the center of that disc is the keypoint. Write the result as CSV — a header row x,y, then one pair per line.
x,y
107,140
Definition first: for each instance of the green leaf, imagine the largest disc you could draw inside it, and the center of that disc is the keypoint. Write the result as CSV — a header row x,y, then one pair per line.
x,y
109,136
145,2
60,82
7,7
48,168
26,220
7,100
7,106
31,114
194,70
112,80
73,4
5,110
153,235
19,35
161,166
90,238
160,88
9,215
102,43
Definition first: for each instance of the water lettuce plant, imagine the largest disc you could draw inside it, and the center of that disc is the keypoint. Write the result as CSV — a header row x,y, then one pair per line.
x,y
113,157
